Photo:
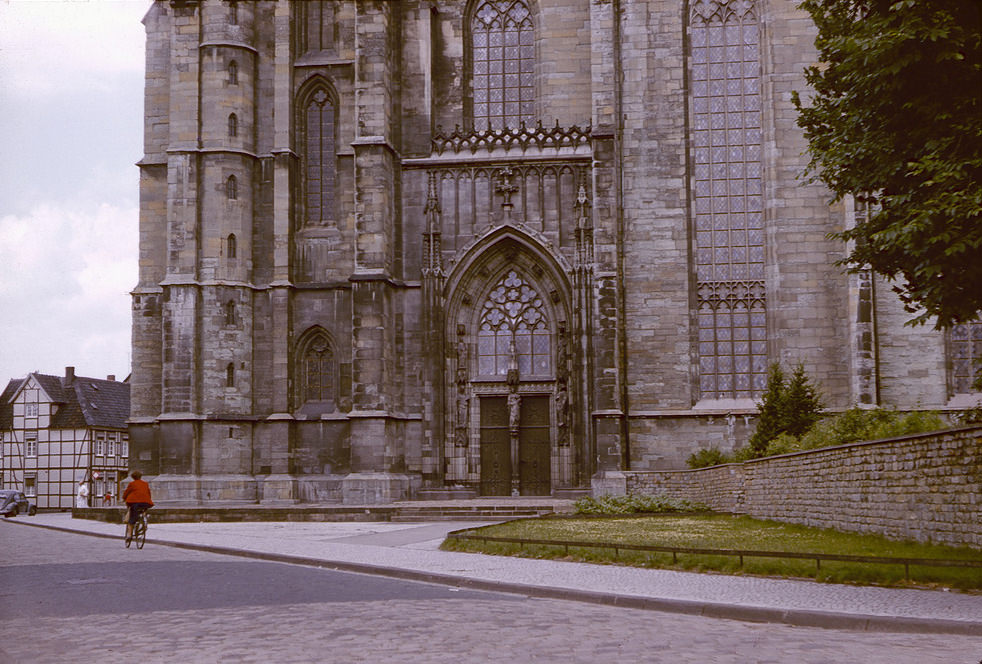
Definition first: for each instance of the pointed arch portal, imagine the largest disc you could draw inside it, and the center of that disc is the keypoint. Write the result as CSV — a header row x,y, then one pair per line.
x,y
508,371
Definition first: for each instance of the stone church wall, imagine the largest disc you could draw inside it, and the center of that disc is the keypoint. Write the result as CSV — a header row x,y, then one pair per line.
x,y
598,206
913,357
923,488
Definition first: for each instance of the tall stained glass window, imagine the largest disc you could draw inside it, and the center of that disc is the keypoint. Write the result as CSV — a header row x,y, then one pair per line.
x,y
502,64
320,162
965,352
514,330
728,184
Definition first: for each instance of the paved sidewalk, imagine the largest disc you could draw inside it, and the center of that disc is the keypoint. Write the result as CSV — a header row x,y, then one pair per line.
x,y
410,551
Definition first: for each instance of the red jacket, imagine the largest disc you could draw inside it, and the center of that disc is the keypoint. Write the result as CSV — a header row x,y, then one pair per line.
x,y
138,491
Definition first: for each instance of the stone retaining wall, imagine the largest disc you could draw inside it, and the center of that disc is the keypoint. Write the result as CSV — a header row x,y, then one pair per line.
x,y
925,488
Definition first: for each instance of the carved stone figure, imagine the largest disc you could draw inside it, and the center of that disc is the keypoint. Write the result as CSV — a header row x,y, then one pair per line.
x,y
514,408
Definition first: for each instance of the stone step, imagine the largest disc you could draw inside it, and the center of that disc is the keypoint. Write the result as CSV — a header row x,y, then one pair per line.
x,y
478,510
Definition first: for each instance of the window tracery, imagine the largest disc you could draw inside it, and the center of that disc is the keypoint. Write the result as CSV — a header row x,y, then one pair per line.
x,y
728,187
502,64
317,369
965,352
319,157
514,330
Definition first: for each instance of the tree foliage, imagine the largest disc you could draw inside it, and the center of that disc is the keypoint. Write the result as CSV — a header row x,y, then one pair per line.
x,y
789,407
895,119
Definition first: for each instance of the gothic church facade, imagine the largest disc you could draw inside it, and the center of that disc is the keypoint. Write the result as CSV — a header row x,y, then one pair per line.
x,y
484,247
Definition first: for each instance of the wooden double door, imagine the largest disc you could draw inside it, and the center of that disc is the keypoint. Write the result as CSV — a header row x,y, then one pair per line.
x,y
506,444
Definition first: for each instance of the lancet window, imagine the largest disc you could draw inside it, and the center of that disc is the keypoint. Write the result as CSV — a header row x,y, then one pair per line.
x,y
317,369
318,25
514,330
502,59
728,187
319,141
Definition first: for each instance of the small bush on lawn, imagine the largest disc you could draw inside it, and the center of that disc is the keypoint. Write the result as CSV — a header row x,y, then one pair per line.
x,y
634,503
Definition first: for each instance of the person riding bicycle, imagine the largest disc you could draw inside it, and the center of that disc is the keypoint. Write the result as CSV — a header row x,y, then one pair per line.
x,y
137,499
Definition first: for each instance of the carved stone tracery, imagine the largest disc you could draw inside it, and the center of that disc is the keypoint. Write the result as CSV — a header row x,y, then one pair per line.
x,y
523,137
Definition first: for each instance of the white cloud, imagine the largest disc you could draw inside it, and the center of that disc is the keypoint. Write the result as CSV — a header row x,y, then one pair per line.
x,y
65,277
71,120
47,45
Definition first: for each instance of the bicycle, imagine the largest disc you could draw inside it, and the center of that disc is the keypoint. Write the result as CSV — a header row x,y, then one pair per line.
x,y
139,531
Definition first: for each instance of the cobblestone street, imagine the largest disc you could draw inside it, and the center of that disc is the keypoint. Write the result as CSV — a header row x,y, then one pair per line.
x,y
421,623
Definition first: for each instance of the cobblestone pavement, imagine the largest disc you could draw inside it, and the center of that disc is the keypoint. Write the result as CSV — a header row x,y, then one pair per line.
x,y
501,627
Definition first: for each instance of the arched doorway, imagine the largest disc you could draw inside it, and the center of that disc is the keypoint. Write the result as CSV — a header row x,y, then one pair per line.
x,y
508,385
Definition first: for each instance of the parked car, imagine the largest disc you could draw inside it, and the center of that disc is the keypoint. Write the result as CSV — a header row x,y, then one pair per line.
x,y
13,503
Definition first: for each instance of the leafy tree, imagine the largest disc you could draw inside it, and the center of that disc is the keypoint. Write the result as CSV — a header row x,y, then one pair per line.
x,y
896,120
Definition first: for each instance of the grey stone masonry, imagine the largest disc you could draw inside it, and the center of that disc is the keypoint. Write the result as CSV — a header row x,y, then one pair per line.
x,y
925,488
484,246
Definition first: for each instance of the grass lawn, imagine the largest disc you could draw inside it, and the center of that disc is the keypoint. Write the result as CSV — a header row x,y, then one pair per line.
x,y
720,531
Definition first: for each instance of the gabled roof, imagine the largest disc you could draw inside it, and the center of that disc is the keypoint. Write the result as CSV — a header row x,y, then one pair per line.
x,y
84,402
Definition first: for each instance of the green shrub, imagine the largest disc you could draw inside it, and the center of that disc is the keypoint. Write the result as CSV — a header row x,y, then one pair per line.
x,y
711,456
857,425
783,444
635,503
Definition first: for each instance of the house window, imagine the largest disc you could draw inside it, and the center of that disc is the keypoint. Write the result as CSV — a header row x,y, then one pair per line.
x,y
30,410
514,331
965,351
30,485
233,12
728,187
231,188
319,158
125,452
502,64
100,444
231,246
233,125
230,375
31,444
233,73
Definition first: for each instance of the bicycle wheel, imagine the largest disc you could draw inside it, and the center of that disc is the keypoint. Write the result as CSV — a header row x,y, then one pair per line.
x,y
141,533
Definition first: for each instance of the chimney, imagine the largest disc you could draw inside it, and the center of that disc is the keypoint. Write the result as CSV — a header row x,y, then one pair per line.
x,y
111,377
69,375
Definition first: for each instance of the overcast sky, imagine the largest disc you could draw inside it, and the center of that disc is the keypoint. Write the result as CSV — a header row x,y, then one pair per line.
x,y
71,131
